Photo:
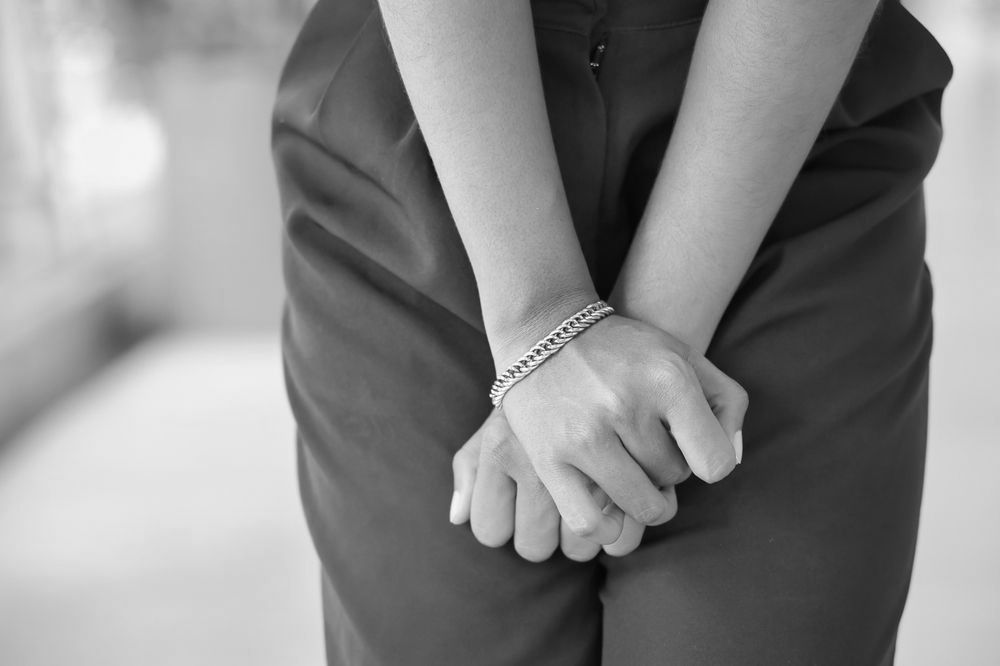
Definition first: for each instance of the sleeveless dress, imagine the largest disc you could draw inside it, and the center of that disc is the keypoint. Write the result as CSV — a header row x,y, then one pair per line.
x,y
803,555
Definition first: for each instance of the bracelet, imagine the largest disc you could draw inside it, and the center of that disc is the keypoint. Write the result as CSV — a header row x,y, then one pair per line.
x,y
548,346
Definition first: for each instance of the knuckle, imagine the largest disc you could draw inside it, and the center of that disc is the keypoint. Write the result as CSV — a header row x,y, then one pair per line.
x,y
534,550
498,457
650,513
678,474
673,472
579,553
663,466
463,458
671,512
496,450
718,467
585,439
673,373
494,435
492,540
617,407
629,540
489,535
621,551
583,526
741,398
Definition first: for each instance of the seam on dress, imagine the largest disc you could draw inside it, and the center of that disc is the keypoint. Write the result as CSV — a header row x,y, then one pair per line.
x,y
603,193
680,23
559,28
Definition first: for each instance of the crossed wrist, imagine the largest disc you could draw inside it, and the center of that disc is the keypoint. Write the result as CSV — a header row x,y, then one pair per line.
x,y
529,324
551,343
684,320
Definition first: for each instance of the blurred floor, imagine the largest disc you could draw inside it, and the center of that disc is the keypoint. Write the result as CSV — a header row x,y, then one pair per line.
x,y
153,518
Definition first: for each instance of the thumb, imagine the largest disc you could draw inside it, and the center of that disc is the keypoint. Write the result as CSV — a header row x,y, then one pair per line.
x,y
464,465
728,400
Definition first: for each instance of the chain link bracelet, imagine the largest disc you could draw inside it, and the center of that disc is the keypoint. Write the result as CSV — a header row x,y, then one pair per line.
x,y
546,347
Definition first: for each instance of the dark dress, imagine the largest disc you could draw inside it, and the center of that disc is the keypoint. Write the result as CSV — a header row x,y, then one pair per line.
x,y
803,555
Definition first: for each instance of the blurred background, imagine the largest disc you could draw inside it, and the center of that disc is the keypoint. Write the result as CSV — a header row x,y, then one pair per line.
x,y
148,505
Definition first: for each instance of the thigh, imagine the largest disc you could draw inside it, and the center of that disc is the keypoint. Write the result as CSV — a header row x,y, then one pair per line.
x,y
385,387
803,555
388,370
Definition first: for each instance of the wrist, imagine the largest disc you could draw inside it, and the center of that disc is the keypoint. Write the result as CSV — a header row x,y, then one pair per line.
x,y
518,329
656,308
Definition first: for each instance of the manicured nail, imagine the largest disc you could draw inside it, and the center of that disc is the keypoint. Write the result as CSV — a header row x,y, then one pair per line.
x,y
738,446
456,508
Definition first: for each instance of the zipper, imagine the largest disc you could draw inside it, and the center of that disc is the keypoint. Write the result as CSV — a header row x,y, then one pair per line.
x,y
597,54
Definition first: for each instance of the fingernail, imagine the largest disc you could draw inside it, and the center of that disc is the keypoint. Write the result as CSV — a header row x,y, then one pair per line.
x,y
738,446
456,508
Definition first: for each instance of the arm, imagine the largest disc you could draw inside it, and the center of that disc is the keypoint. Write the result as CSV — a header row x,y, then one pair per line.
x,y
594,411
763,78
471,72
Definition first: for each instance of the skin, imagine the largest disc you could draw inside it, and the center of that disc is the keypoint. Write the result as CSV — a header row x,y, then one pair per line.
x,y
599,410
763,77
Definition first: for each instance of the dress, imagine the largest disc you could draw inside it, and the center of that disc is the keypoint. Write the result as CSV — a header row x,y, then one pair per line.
x,y
802,555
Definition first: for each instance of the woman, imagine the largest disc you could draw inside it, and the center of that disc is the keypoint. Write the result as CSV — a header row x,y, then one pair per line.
x,y
459,177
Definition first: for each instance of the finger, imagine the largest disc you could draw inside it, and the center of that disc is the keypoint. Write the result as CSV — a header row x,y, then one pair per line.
x,y
656,452
576,547
729,401
571,491
706,446
463,468
611,467
629,540
536,523
492,512
632,531
502,449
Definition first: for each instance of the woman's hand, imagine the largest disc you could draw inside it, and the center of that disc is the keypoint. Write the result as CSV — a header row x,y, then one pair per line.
x,y
632,409
497,489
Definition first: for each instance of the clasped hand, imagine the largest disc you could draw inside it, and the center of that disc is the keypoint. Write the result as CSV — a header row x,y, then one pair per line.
x,y
588,447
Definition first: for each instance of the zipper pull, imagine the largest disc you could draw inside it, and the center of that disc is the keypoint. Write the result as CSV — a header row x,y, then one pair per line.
x,y
597,54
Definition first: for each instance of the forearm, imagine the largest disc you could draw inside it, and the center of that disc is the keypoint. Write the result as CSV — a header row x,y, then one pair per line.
x,y
763,77
470,68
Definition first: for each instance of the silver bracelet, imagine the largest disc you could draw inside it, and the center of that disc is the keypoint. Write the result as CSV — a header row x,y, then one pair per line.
x,y
546,347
